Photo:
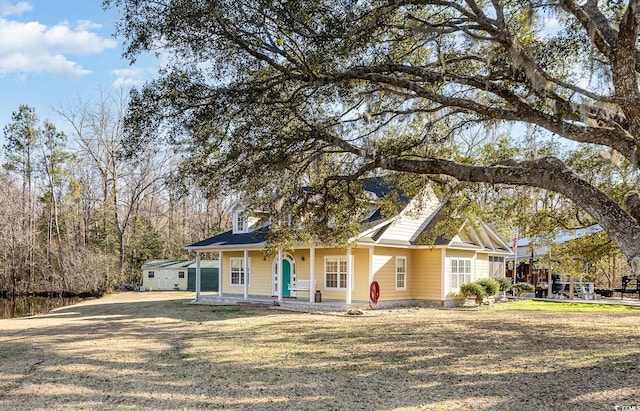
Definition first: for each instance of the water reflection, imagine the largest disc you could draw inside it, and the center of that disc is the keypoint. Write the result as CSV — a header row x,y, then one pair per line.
x,y
26,306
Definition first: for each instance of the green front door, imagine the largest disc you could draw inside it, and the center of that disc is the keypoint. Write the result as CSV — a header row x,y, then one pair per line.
x,y
286,277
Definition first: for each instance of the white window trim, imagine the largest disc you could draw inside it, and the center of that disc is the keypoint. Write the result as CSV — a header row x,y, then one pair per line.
x,y
470,273
247,275
346,273
401,258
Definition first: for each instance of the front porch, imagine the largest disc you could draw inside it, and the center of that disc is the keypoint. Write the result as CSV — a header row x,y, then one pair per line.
x,y
292,303
301,304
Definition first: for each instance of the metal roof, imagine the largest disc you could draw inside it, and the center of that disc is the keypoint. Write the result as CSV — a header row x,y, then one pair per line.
x,y
178,264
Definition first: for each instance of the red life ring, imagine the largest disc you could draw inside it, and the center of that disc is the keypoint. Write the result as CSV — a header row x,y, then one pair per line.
x,y
374,292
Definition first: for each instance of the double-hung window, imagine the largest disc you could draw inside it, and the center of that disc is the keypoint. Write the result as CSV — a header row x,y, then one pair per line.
x,y
460,271
401,273
335,272
237,271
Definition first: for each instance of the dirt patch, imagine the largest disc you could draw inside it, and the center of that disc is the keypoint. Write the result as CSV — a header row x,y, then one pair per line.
x,y
155,351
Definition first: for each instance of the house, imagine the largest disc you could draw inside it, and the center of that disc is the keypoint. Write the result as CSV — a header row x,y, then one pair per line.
x,y
528,264
179,275
528,251
388,252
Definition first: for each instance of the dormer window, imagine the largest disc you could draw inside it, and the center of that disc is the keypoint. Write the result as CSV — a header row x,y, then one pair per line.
x,y
240,222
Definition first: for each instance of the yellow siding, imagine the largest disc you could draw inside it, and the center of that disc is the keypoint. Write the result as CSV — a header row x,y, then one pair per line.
x,y
427,274
361,274
384,268
164,279
260,272
182,282
149,283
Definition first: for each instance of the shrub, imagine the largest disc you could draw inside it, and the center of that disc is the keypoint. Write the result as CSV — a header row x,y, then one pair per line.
x,y
505,283
491,286
523,288
473,290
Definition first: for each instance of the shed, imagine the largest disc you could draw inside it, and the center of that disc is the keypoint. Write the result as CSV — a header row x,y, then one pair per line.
x,y
165,274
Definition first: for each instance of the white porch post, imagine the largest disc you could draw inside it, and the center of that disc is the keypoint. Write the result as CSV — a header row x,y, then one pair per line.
x,y
349,275
220,273
245,267
312,273
371,278
280,282
198,276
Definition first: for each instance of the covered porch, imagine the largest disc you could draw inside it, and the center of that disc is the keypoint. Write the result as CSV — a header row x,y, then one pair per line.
x,y
294,304
294,277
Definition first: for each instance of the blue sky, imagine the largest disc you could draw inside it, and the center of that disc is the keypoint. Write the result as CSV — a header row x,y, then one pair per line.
x,y
54,51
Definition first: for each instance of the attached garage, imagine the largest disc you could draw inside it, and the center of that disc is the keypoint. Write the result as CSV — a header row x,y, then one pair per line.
x,y
208,276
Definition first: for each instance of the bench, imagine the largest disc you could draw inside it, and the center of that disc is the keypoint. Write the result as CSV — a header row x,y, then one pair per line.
x,y
301,285
626,285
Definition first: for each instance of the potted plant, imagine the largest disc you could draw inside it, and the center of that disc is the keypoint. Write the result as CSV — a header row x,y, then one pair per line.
x,y
505,285
473,290
491,286
522,289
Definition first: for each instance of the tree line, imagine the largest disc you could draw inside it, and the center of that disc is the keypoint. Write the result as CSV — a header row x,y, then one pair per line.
x,y
77,216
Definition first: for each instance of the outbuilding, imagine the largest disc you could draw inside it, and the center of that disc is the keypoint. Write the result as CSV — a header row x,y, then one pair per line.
x,y
178,275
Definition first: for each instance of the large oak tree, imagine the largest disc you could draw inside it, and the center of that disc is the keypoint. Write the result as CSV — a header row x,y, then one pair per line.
x,y
344,89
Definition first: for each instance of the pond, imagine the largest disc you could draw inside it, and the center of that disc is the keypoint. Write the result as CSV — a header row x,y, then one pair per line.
x,y
24,306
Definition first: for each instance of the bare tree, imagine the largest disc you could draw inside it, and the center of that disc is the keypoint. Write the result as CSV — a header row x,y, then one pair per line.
x,y
99,131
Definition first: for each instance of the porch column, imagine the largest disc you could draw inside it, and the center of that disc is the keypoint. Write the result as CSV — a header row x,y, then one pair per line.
x,y
371,278
280,282
198,276
245,267
220,273
312,273
349,275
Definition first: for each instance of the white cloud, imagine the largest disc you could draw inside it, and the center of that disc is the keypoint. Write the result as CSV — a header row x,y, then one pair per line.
x,y
87,25
32,47
128,77
7,8
57,65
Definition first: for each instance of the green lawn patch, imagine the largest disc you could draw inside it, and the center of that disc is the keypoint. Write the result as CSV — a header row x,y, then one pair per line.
x,y
534,305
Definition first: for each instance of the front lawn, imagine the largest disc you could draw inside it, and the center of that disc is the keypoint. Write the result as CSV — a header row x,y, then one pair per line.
x,y
152,351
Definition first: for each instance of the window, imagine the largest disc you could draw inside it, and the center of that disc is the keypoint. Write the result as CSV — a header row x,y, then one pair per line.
x,y
152,274
241,223
460,271
335,272
180,274
237,271
401,273
496,266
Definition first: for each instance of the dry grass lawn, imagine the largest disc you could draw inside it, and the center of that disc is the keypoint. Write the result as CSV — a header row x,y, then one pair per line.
x,y
147,351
